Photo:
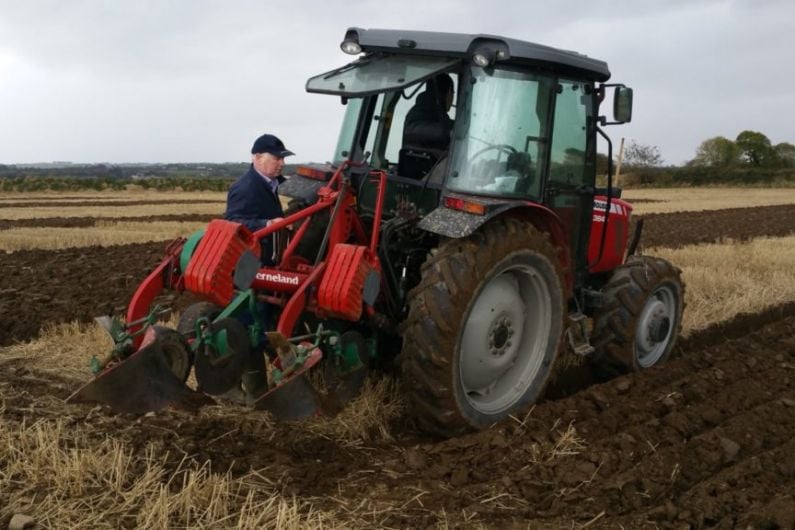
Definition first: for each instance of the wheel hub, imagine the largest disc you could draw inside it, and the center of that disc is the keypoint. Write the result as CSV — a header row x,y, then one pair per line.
x,y
651,322
654,329
500,336
658,329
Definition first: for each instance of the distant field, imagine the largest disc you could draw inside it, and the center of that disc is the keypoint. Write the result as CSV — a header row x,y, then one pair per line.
x,y
132,194
664,200
650,200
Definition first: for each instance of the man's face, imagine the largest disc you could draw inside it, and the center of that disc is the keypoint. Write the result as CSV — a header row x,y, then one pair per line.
x,y
268,164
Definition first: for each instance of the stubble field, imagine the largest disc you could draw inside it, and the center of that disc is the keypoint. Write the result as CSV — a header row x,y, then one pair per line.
x,y
705,441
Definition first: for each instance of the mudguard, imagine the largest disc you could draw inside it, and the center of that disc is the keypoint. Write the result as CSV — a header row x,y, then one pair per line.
x,y
457,224
302,188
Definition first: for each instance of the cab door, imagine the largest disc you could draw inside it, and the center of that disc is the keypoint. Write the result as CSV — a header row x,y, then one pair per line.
x,y
572,167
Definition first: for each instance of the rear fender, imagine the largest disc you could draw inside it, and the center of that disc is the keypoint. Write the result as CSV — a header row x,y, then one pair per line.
x,y
302,188
457,224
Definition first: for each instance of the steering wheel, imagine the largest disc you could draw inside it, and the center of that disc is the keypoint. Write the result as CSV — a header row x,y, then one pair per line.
x,y
503,148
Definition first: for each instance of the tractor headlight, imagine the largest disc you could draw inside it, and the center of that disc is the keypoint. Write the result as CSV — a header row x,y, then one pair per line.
x,y
351,47
484,57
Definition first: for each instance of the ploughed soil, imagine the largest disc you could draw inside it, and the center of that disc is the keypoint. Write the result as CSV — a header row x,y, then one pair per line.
x,y
689,228
81,283
46,286
704,441
39,204
80,222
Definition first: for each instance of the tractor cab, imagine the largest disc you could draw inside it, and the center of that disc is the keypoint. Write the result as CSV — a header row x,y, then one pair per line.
x,y
520,126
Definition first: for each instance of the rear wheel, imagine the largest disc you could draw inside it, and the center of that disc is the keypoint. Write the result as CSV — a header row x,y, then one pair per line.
x,y
484,328
640,318
308,246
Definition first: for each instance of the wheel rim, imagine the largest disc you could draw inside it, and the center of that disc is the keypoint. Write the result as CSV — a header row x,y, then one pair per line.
x,y
505,338
655,326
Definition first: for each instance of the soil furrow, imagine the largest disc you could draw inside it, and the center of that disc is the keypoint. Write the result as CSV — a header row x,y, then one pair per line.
x,y
110,204
750,492
38,287
679,229
80,222
513,473
704,441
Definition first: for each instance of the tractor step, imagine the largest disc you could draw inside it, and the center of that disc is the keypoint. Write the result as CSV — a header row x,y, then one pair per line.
x,y
577,334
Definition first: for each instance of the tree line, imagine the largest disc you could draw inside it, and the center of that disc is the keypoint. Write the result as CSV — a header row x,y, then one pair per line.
x,y
750,148
751,158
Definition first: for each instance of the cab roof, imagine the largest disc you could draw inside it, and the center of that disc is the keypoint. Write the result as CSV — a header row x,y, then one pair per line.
x,y
465,44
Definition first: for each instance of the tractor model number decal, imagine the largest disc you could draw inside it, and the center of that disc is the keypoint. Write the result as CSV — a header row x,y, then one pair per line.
x,y
278,278
614,208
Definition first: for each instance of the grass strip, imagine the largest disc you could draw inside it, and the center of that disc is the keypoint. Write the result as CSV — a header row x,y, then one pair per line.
x,y
729,278
104,233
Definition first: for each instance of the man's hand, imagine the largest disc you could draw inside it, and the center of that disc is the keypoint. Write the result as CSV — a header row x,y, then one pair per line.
x,y
276,220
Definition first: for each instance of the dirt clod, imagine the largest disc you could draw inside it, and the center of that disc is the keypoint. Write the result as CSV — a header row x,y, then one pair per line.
x,y
21,522
711,416
414,459
623,386
730,449
459,477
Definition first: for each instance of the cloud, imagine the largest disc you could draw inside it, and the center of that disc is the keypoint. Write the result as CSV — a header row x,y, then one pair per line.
x,y
91,80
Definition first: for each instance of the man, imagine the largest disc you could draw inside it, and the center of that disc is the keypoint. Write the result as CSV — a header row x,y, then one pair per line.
x,y
253,199
427,124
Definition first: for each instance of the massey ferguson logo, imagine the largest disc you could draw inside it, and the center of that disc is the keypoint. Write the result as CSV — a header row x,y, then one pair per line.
x,y
277,278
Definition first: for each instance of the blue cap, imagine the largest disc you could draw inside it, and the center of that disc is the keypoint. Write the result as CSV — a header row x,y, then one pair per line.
x,y
267,143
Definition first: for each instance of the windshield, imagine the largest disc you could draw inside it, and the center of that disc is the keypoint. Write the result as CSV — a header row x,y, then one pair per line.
x,y
345,141
502,134
374,74
384,128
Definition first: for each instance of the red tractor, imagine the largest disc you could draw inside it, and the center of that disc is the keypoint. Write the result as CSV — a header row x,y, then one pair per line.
x,y
468,244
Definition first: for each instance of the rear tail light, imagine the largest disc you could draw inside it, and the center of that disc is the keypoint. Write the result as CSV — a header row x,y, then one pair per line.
x,y
457,203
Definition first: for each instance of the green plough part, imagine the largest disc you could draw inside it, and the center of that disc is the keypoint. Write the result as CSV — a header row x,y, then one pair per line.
x,y
122,338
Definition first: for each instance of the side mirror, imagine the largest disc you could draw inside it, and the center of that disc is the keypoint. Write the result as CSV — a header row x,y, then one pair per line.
x,y
622,104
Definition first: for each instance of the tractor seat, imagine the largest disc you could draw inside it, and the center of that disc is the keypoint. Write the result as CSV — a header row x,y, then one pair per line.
x,y
415,163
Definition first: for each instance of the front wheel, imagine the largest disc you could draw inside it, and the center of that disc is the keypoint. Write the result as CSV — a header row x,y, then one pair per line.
x,y
640,318
484,328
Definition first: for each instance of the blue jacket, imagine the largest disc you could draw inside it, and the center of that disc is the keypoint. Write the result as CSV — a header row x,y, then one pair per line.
x,y
251,203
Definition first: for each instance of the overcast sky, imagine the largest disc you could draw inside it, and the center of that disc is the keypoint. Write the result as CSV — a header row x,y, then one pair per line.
x,y
197,81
